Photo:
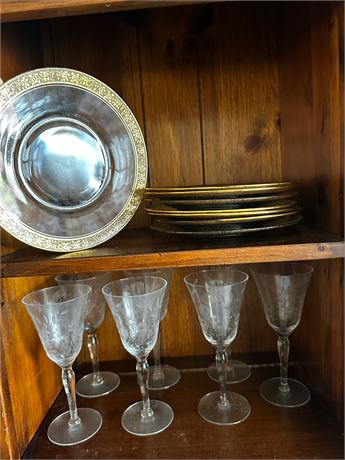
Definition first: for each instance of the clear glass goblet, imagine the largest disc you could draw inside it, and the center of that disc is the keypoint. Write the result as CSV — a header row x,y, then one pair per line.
x,y
136,305
58,314
98,383
217,296
161,376
282,288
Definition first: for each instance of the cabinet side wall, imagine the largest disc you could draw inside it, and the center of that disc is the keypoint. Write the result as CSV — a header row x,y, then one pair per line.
x,y
29,380
311,98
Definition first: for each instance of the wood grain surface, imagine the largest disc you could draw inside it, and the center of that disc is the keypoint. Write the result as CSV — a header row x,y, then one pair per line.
x,y
239,95
144,249
311,111
312,152
269,431
17,10
319,339
29,380
170,93
20,51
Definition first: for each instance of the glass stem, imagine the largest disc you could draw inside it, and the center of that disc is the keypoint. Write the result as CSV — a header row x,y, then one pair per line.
x,y
283,351
92,345
157,370
68,380
230,369
222,364
143,375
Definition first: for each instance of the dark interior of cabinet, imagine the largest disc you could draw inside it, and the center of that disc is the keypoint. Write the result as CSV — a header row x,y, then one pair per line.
x,y
231,92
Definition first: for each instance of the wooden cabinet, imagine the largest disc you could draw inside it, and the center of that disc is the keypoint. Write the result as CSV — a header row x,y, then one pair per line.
x,y
225,92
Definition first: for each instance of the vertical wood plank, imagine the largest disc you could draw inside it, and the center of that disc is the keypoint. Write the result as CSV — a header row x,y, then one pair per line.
x,y
319,338
239,95
311,110
20,52
170,92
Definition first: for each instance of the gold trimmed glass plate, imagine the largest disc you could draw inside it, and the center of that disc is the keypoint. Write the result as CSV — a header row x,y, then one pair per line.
x,y
219,190
226,232
219,203
222,213
73,160
229,220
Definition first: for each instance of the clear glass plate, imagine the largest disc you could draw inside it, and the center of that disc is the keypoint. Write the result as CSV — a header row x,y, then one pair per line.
x,y
73,160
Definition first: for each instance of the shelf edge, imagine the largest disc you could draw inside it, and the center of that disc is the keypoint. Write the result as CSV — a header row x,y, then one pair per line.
x,y
184,258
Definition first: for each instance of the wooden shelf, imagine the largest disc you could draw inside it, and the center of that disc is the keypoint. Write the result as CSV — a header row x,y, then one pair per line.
x,y
269,431
16,10
146,249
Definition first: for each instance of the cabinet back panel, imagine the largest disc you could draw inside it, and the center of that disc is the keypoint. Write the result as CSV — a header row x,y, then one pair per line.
x,y
209,113
239,95
20,51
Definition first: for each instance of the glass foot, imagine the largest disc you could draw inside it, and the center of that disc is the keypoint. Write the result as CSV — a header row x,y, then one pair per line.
x,y
238,372
62,434
298,394
89,388
134,423
167,378
238,410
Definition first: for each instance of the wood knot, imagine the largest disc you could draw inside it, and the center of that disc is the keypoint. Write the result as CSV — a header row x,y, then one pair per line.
x,y
253,143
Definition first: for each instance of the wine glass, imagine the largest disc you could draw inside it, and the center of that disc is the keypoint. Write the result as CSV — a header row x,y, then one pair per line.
x,y
237,371
97,383
58,314
136,305
282,288
161,376
217,297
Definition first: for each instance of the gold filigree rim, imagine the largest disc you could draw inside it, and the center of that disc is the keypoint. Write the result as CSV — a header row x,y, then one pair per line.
x,y
59,75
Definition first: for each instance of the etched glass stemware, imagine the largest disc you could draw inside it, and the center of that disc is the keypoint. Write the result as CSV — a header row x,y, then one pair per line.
x,y
217,296
282,288
58,314
136,305
161,376
98,383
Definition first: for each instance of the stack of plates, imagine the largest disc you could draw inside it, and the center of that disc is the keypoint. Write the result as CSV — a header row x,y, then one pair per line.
x,y
222,211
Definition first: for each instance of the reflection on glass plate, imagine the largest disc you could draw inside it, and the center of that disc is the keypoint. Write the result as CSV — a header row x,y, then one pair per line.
x,y
73,160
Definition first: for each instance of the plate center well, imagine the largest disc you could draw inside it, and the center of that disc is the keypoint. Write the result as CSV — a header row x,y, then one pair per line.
x,y
63,164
